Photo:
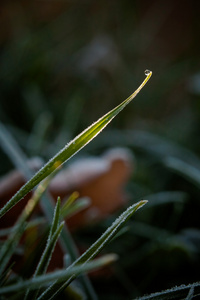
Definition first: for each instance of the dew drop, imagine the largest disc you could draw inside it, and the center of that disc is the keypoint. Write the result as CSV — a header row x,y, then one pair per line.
x,y
147,72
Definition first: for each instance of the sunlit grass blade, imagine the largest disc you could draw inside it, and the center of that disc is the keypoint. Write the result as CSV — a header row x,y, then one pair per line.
x,y
71,149
19,159
105,238
62,275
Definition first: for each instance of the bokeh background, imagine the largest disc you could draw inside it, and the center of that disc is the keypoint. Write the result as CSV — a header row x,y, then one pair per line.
x,y
63,64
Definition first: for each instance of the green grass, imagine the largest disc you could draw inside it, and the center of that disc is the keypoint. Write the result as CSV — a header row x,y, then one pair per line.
x,y
49,286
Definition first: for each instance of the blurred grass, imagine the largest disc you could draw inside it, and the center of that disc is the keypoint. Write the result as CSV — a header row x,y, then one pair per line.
x,y
57,59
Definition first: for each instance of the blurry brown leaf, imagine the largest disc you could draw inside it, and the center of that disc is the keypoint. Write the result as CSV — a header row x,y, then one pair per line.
x,y
102,179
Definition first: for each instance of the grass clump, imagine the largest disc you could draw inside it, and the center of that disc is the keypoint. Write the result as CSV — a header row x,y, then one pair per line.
x,y
42,285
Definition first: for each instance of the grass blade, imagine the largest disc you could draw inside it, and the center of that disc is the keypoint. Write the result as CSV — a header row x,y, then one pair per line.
x,y
43,264
43,280
56,219
46,256
71,149
9,247
17,156
178,292
54,234
109,233
10,244
105,238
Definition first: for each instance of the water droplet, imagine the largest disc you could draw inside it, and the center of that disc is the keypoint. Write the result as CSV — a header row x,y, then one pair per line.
x,y
147,72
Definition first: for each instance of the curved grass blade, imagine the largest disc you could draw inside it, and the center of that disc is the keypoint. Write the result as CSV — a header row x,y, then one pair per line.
x,y
105,238
43,280
109,233
71,149
16,155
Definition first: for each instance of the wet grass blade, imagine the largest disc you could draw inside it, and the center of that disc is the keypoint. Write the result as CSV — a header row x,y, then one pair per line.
x,y
71,149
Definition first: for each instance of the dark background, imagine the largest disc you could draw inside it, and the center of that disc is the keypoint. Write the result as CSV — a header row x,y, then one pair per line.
x,y
63,64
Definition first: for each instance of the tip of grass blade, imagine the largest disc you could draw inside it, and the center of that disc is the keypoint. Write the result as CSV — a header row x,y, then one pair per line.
x,y
147,72
140,204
